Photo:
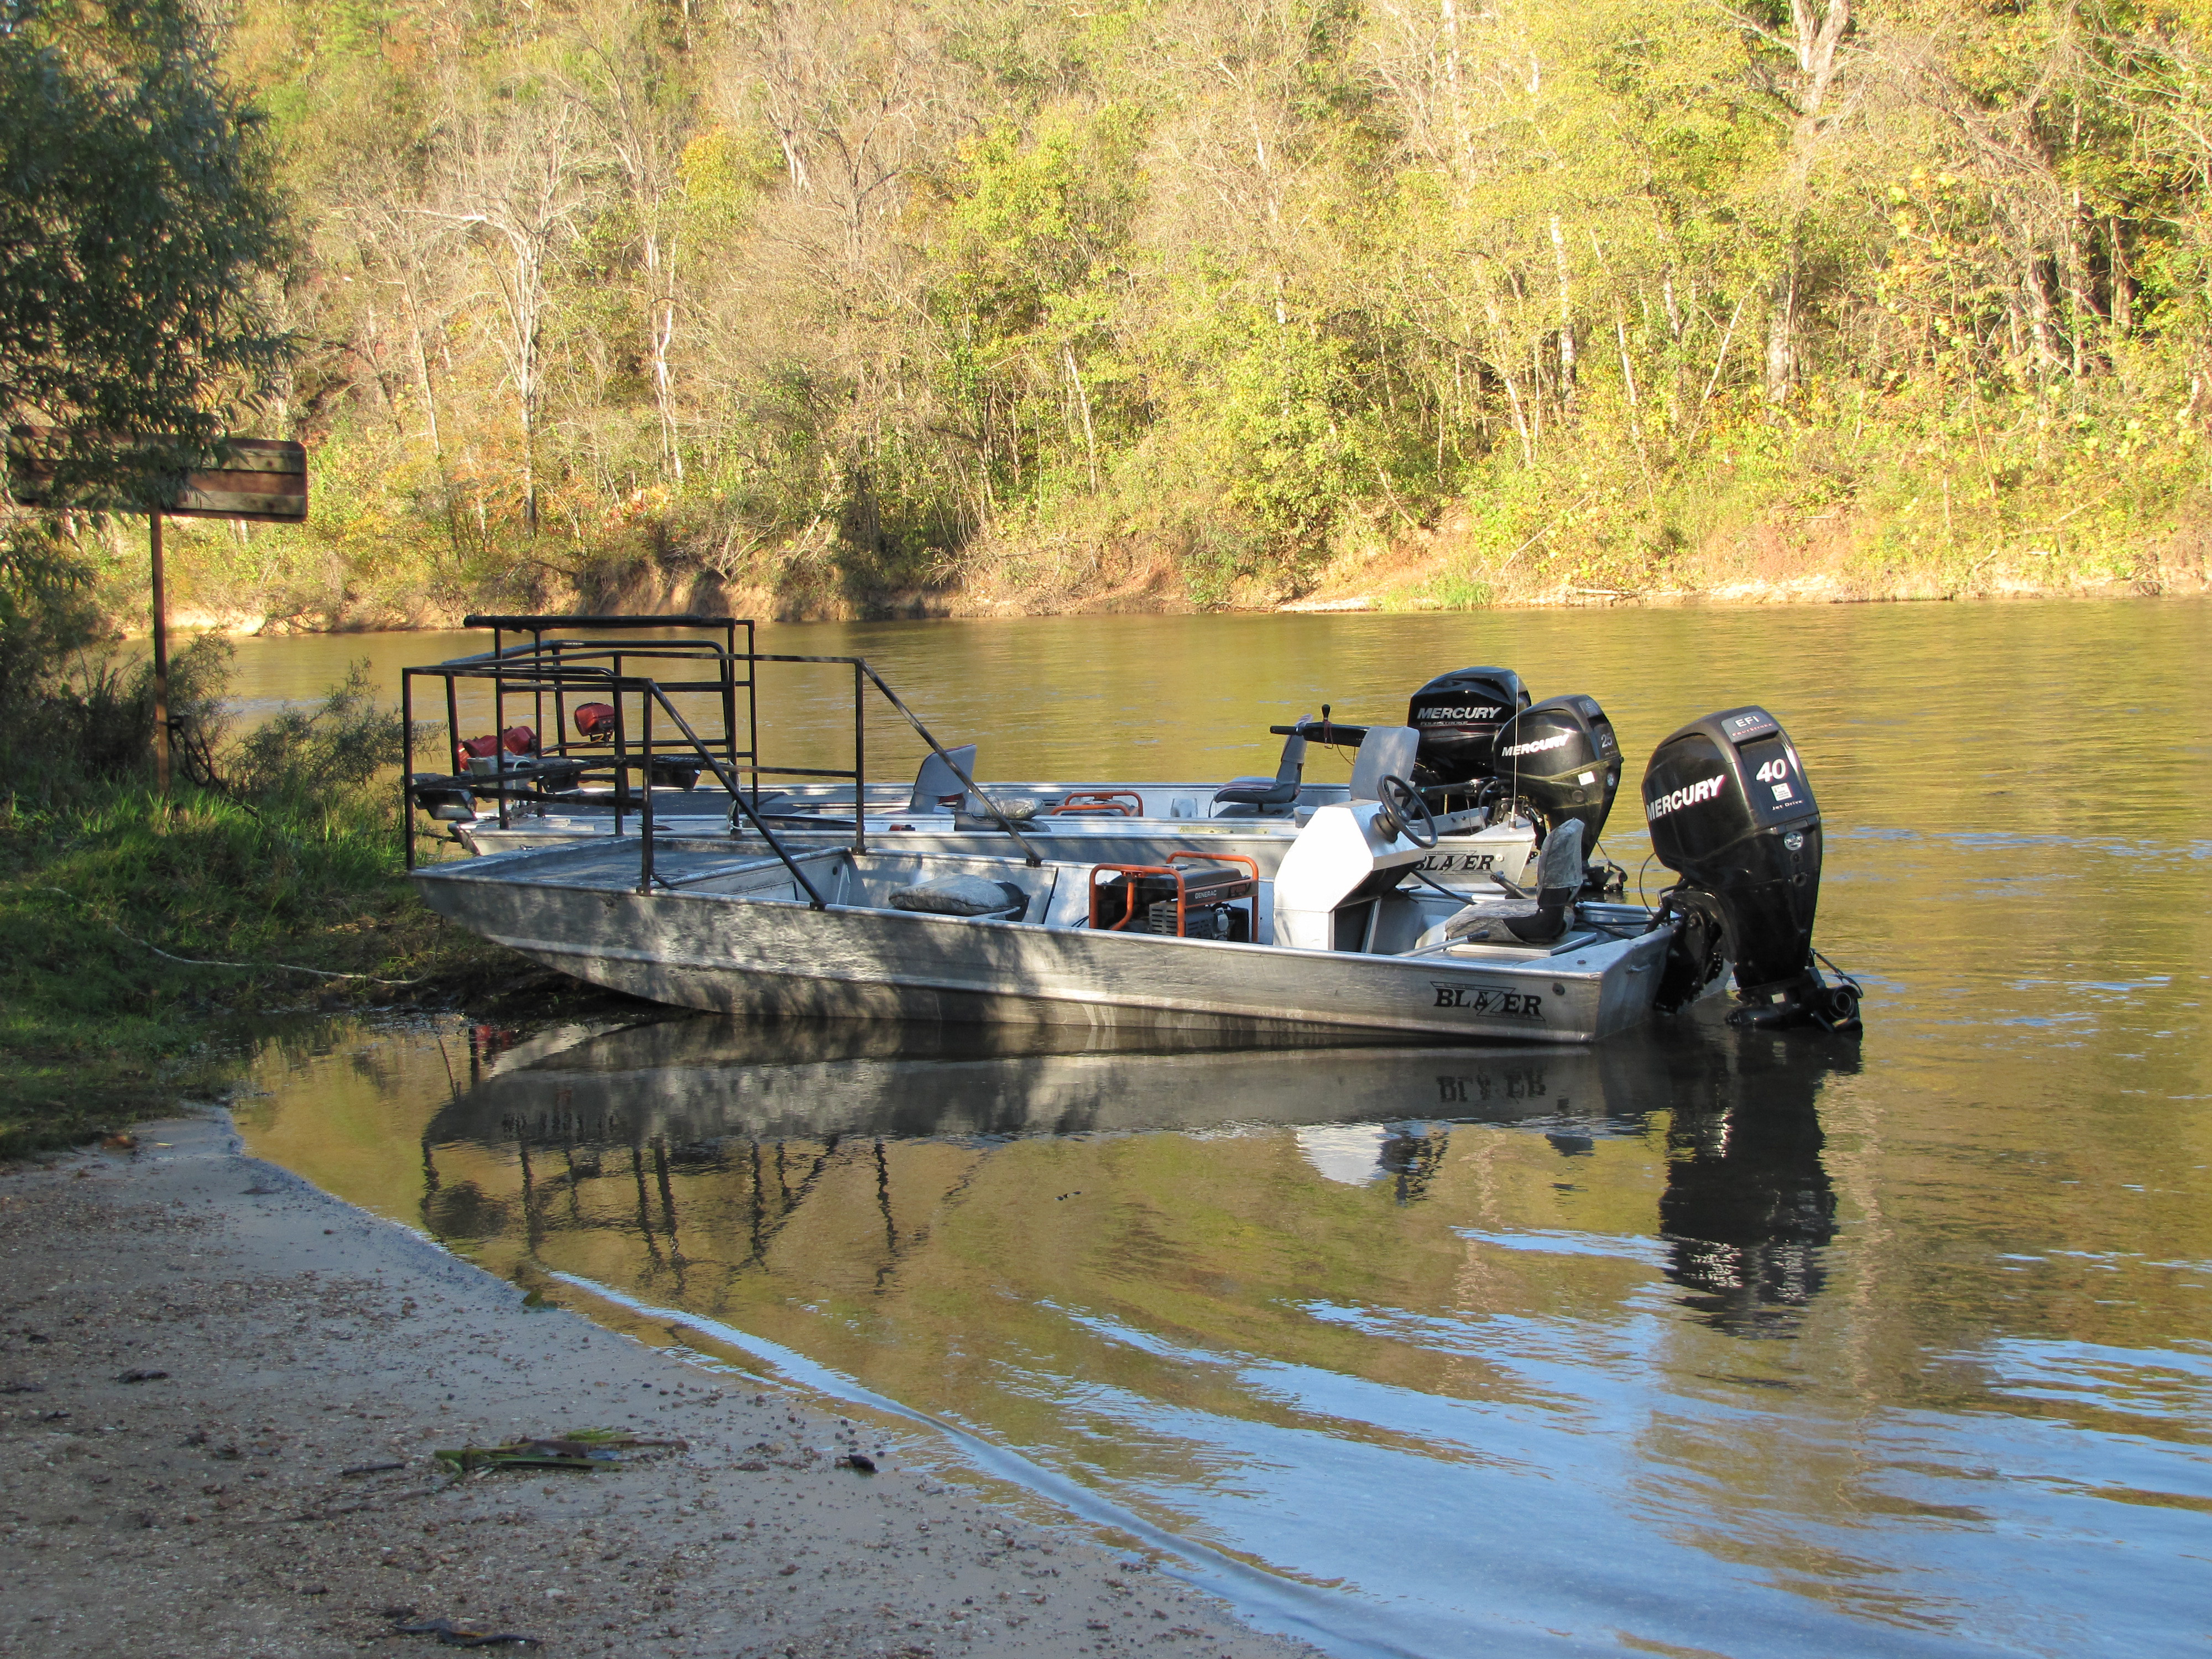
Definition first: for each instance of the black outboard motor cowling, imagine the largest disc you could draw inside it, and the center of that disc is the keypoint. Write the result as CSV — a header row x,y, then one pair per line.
x,y
1561,755
1458,715
1732,814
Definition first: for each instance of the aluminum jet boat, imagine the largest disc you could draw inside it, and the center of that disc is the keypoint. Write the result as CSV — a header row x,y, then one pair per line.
x,y
1341,939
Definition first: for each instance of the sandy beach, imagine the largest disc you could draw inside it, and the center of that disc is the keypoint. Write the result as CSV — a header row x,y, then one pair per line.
x,y
220,1390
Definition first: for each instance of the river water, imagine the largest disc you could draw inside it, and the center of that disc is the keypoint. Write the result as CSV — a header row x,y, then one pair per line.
x,y
1708,1342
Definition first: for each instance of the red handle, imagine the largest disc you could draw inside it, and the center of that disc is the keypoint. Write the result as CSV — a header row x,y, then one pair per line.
x,y
1101,800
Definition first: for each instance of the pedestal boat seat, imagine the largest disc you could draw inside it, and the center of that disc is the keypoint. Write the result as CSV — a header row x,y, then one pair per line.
x,y
1518,916
1266,797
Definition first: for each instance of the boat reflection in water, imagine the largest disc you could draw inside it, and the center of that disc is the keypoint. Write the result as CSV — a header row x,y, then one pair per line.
x,y
1747,1205
752,1122
1361,1315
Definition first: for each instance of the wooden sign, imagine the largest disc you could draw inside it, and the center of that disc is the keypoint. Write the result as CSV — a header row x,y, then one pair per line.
x,y
263,480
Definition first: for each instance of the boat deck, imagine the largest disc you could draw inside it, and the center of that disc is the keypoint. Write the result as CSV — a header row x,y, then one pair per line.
x,y
1058,893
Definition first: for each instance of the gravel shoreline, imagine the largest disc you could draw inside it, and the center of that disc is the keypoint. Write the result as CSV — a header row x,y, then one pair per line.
x,y
266,1485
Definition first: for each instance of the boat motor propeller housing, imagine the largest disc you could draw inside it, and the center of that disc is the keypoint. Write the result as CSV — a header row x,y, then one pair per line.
x,y
1458,715
1732,814
1561,755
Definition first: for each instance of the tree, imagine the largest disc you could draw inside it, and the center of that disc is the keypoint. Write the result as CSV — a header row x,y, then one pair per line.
x,y
138,218
1803,84
1232,285
522,186
639,108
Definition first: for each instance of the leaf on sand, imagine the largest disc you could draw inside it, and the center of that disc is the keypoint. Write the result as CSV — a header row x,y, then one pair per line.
x,y
581,1449
452,1633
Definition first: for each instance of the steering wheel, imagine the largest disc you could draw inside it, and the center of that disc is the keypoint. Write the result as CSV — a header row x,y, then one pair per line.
x,y
1405,804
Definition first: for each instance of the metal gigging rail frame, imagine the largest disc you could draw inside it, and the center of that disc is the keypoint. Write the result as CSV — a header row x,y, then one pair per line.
x,y
549,667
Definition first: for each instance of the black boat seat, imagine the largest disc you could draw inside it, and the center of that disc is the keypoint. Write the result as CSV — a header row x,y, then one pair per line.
x,y
964,896
445,799
1266,795
550,774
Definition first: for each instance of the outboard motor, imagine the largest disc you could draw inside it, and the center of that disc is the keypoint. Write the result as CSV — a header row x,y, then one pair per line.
x,y
1561,755
1732,813
1458,715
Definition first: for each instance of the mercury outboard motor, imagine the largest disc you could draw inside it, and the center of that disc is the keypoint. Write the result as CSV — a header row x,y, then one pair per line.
x,y
1458,715
1732,814
1561,757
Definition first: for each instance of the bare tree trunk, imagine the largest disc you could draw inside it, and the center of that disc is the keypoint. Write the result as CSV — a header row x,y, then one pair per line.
x,y
1083,403
643,139
421,355
2122,303
1504,358
1720,358
1817,30
1628,373
2040,318
1567,367
1461,137
661,329
1536,387
1520,418
1782,337
2074,283
371,351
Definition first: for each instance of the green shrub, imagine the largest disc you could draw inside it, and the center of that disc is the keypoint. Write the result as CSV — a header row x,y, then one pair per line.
x,y
141,935
1448,590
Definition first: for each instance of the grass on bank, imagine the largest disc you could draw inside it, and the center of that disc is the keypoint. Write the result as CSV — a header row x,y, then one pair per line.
x,y
275,854
98,1027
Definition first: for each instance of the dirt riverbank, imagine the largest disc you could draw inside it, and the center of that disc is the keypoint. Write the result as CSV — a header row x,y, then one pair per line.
x,y
1426,571
266,1484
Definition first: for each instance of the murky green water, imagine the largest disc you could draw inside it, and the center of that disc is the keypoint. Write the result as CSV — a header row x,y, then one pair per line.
x,y
1708,1342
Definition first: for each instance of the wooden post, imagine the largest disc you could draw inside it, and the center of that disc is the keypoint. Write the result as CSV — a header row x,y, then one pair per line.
x,y
160,666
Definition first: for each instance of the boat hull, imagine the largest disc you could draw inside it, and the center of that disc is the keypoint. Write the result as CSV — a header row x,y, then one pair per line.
x,y
731,943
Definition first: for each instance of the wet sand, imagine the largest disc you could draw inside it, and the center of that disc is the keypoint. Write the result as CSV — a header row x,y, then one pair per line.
x,y
210,1508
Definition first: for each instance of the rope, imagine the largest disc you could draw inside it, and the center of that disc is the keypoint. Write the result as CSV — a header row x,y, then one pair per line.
x,y
1840,975
254,966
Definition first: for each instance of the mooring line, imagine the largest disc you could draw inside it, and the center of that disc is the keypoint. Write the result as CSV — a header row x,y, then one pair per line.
x,y
192,961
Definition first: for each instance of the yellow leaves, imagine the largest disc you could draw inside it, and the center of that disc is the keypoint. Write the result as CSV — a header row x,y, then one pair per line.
x,y
721,171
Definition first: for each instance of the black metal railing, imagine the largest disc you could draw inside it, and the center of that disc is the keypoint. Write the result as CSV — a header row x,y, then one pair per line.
x,y
573,670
